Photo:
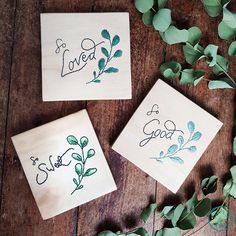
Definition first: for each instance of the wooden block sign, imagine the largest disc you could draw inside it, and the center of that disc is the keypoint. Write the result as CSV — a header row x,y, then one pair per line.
x,y
85,56
64,164
167,135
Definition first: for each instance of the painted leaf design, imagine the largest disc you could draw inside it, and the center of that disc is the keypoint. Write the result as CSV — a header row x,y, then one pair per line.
x,y
72,140
79,169
75,181
161,154
172,148
105,34
118,53
91,153
105,52
83,142
94,74
111,70
196,136
76,156
180,140
90,171
177,160
115,40
191,127
97,81
101,63
81,186
192,149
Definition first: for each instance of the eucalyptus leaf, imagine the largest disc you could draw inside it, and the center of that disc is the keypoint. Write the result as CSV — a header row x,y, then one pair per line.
x,y
203,207
170,70
209,185
107,233
174,35
162,20
169,232
187,220
211,52
143,5
162,3
218,84
233,173
140,232
229,18
191,203
232,49
72,140
148,18
230,189
194,35
221,66
148,211
212,7
226,32
177,213
191,54
90,171
234,146
219,216
167,212
188,76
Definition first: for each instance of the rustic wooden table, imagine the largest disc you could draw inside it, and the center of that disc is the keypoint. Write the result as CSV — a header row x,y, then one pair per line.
x,y
21,108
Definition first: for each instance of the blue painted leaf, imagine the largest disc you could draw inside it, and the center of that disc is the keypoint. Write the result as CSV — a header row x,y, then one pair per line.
x,y
111,70
118,53
161,154
172,148
177,160
105,34
97,81
115,40
192,149
101,63
180,140
191,127
196,136
105,52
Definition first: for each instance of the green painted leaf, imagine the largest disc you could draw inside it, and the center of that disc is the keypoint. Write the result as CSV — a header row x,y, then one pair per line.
x,y
111,70
212,7
234,146
191,203
101,63
194,35
90,171
107,233
180,140
76,156
191,54
211,52
209,185
144,5
169,232
187,220
161,3
115,40
232,49
196,136
177,213
221,66
97,81
90,153
148,211
105,34
192,149
218,84
118,53
105,52
72,140
162,20
203,207
173,148
167,212
188,76
148,18
75,181
170,70
79,169
219,216
177,159
83,141
139,232
173,35
191,127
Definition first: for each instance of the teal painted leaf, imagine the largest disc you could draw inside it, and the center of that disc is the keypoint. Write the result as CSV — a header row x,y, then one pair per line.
x,y
111,70
161,3
196,136
181,140
143,5
167,212
191,54
105,52
191,203
219,216
218,84
148,18
75,181
192,149
189,76
177,214
161,154
83,142
118,53
115,40
170,70
173,148
169,232
211,52
232,49
191,127
81,186
90,171
174,35
79,169
76,156
212,7
194,35
107,233
187,220
90,153
101,63
209,185
139,232
177,160
97,81
94,74
105,34
72,140
221,66
203,207
148,211
234,146
162,20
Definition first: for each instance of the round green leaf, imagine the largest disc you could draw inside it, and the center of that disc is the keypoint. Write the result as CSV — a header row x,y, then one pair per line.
x,y
194,36
234,146
161,3
203,207
177,214
79,169
169,232
90,153
83,142
148,211
76,156
212,7
187,220
233,173
90,171
191,203
218,84
105,52
221,66
211,52
219,216
148,18
139,232
144,5
209,185
188,76
162,20
72,140
107,233
105,34
232,49
226,32
115,40
229,18
167,212
191,54
118,53
230,189
173,35
101,63
170,70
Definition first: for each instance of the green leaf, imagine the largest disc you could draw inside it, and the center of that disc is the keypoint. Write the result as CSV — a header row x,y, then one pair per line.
x,y
234,146
209,185
75,181
191,54
212,7
203,207
221,66
90,153
177,159
79,169
218,84
148,211
111,70
225,32
233,173
105,34
194,35
76,156
187,220
196,136
173,148
101,63
191,127
229,18
168,212
177,213
83,142
118,53
90,171
162,20
232,49
211,52
97,81
72,140
191,203
169,232
107,233
140,232
170,70
148,18
105,52
173,35
161,3
230,189
144,5
115,40
188,76
219,216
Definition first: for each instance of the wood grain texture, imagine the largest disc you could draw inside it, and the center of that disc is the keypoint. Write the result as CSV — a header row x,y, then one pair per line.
x,y
118,210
